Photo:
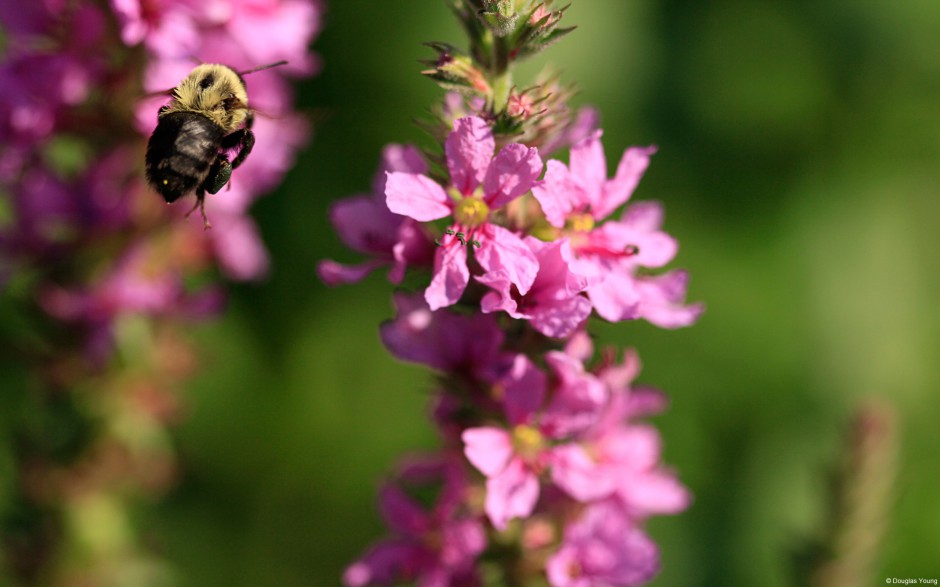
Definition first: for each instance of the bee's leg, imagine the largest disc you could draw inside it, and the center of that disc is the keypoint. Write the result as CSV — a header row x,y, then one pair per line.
x,y
219,175
243,140
201,205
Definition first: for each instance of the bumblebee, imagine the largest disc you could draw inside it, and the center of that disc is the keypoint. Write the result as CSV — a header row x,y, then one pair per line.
x,y
207,119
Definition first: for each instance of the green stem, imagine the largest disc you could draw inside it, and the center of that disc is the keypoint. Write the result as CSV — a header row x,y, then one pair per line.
x,y
501,80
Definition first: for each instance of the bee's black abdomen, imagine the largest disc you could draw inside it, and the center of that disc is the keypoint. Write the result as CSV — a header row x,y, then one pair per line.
x,y
180,152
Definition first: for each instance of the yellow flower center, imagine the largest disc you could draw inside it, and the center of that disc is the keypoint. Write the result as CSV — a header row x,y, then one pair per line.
x,y
527,441
543,231
471,212
581,222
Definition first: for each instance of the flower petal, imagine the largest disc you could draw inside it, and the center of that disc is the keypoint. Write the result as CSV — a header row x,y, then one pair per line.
x,y
511,174
401,513
662,297
503,251
578,475
655,493
395,157
646,216
523,390
616,297
488,449
618,190
560,319
558,193
511,494
417,196
589,166
365,224
450,277
332,273
469,149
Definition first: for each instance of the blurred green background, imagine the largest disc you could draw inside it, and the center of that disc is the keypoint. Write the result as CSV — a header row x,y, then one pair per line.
x,y
798,161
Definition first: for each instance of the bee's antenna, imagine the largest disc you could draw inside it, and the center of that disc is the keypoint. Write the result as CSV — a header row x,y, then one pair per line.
x,y
268,66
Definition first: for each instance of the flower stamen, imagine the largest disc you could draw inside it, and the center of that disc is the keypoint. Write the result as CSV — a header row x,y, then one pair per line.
x,y
527,441
471,212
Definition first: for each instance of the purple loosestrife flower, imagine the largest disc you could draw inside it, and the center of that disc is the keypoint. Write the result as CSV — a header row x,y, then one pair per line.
x,y
627,452
558,475
103,272
469,345
539,438
436,547
365,224
603,548
575,198
481,184
141,283
554,304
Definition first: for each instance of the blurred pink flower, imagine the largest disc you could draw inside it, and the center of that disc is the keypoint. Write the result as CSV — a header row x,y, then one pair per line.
x,y
139,284
434,548
603,548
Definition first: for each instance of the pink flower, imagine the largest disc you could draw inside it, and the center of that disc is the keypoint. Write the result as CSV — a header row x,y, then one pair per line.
x,y
662,298
436,548
139,284
464,344
480,185
538,439
365,224
277,29
575,198
554,304
629,453
583,187
167,27
603,548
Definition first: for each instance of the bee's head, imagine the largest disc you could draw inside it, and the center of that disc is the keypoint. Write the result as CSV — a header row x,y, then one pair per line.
x,y
215,91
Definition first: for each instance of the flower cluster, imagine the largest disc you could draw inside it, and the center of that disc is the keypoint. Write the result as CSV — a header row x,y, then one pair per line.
x,y
547,472
551,262
99,271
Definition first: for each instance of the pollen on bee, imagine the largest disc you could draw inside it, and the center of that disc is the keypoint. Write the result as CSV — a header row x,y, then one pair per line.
x,y
166,181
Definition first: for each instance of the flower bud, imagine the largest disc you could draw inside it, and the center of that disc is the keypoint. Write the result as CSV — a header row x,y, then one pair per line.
x,y
500,16
539,31
455,71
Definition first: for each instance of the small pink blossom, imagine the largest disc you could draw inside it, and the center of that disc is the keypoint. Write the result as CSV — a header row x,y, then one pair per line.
x,y
469,345
434,548
480,185
554,304
513,459
575,198
662,299
628,452
138,285
603,548
365,224
167,27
